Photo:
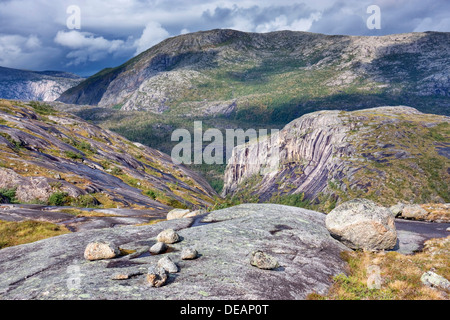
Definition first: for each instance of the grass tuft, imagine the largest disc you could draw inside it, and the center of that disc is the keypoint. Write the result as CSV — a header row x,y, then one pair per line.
x,y
17,233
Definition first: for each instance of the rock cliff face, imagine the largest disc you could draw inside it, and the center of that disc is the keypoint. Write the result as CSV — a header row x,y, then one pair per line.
x,y
44,152
30,85
221,71
386,154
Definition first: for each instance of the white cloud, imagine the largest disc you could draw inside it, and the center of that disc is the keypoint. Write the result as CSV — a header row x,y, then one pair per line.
x,y
86,46
34,35
85,40
281,23
152,34
21,52
305,24
184,31
33,43
11,45
242,25
428,24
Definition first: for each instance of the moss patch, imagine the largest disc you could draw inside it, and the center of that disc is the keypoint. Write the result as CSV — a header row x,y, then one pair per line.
x,y
16,233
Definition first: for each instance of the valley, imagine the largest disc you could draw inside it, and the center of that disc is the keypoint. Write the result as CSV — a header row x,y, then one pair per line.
x,y
232,79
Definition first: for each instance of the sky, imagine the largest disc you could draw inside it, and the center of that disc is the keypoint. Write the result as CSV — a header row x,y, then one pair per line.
x,y
86,36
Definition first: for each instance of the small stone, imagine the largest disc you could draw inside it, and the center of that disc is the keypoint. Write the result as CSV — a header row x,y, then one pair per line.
x,y
263,260
189,254
168,265
126,275
177,214
432,279
156,276
120,276
168,236
99,250
158,248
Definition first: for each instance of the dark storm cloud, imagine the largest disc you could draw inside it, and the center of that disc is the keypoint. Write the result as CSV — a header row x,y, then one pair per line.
x,y
349,17
34,35
343,18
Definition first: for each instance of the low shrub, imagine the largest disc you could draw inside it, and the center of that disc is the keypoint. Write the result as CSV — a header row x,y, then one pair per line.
x,y
73,155
58,199
9,195
85,201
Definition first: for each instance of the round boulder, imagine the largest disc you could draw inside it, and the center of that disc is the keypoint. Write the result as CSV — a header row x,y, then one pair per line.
x,y
168,236
362,224
196,213
100,249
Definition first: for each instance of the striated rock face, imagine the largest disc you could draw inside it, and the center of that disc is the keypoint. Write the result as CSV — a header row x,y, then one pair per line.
x,y
29,189
306,253
316,142
387,153
30,85
44,152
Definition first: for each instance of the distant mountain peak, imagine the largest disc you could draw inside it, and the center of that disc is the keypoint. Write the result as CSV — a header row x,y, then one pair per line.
x,y
35,85
283,70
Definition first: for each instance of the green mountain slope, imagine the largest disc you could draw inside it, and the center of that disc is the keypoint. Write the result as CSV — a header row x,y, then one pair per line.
x,y
232,79
277,76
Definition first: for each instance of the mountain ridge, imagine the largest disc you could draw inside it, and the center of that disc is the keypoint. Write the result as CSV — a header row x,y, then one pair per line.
x,y
281,71
27,85
233,79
